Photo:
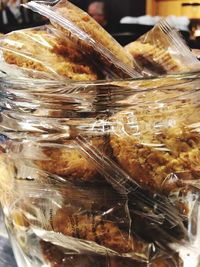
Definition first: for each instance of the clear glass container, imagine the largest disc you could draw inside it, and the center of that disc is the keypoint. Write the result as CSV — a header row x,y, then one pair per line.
x,y
103,173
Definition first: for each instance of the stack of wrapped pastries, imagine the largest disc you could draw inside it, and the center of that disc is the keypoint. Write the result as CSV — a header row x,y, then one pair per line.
x,y
157,143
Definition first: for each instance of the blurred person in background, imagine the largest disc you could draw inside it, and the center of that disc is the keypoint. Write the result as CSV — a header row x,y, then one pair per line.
x,y
6,14
97,10
13,11
13,16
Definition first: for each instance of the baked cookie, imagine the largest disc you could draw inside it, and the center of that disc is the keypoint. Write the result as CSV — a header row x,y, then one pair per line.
x,y
43,50
68,162
154,58
56,257
94,40
159,147
95,228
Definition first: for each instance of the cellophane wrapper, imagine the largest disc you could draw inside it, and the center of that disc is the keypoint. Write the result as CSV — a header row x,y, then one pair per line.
x,y
103,173
94,41
162,50
45,53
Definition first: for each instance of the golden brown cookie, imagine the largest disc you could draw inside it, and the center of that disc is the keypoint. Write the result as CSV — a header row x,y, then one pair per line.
x,y
67,161
159,170
158,147
94,228
154,58
99,38
57,258
42,50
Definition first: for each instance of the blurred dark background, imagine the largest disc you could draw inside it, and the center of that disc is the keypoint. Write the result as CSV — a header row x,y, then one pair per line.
x,y
115,10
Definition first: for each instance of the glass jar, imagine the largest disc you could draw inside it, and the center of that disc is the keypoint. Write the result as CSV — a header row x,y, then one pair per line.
x,y
103,173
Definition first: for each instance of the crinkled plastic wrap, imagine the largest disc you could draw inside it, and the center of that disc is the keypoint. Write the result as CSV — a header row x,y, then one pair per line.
x,y
86,33
103,173
76,47
44,52
162,50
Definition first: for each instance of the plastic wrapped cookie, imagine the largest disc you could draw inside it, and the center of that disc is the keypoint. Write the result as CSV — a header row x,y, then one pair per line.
x,y
56,257
67,161
93,40
158,143
45,50
162,50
